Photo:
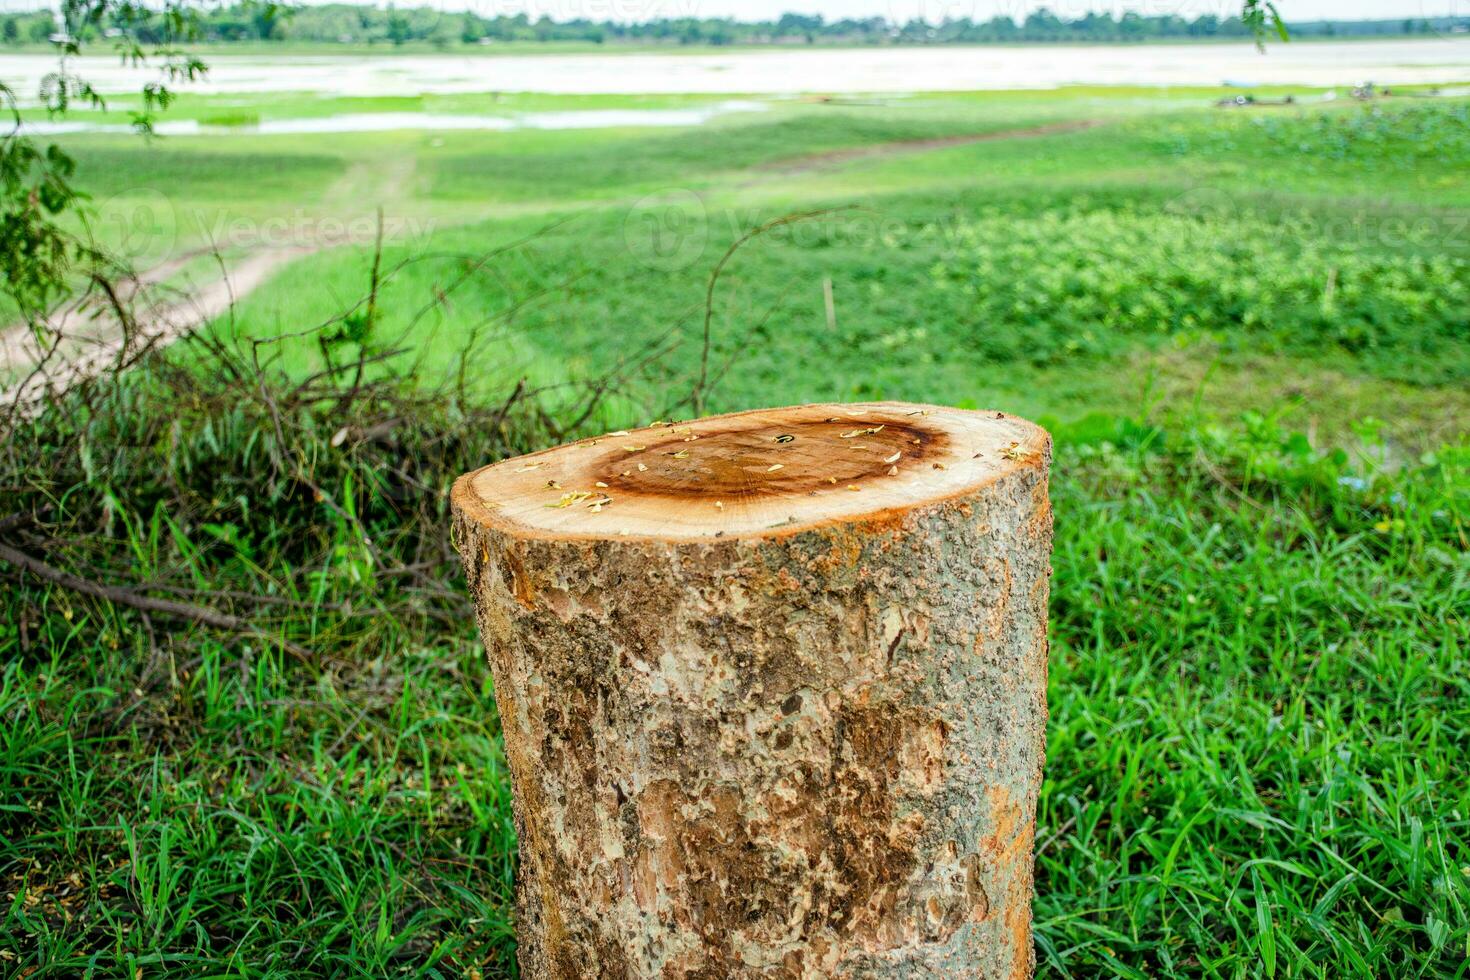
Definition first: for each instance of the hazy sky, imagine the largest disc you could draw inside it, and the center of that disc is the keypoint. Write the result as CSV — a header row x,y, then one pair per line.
x,y
626,10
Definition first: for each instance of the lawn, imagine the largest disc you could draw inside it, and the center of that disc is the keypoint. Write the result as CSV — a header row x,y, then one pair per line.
x,y
1247,330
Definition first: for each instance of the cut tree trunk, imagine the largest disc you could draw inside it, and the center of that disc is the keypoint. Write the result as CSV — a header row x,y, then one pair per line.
x,y
773,688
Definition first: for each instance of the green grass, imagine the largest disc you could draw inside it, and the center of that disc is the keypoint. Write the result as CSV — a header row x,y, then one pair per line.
x,y
307,105
126,164
1259,716
386,840
1258,693
1247,331
1021,294
593,163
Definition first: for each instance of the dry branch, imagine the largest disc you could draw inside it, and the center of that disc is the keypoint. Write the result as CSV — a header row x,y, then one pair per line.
x,y
133,599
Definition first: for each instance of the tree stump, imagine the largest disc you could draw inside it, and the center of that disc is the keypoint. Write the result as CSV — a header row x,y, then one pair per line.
x,y
773,688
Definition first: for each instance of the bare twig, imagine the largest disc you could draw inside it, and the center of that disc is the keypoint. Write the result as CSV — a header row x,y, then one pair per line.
x,y
700,389
122,596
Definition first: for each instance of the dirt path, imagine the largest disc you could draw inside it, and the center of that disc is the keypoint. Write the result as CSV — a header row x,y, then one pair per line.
x,y
91,337
384,181
832,159
92,340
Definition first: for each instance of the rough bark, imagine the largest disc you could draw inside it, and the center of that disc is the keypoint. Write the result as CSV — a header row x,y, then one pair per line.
x,y
742,750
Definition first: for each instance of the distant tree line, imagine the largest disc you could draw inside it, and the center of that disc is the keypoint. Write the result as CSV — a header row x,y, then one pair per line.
x,y
353,24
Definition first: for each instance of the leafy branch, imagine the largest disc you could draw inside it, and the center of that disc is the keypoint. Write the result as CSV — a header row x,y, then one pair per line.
x,y
1263,19
39,247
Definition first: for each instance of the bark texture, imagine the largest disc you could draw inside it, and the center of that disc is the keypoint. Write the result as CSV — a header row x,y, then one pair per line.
x,y
803,753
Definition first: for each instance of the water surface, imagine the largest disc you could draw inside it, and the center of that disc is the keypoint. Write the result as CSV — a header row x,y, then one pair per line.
x,y
371,122
785,70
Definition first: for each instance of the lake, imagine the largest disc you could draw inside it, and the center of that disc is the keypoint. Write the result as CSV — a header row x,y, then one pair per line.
x,y
377,122
778,71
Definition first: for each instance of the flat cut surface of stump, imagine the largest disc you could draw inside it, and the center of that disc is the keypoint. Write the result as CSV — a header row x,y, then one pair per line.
x,y
750,474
